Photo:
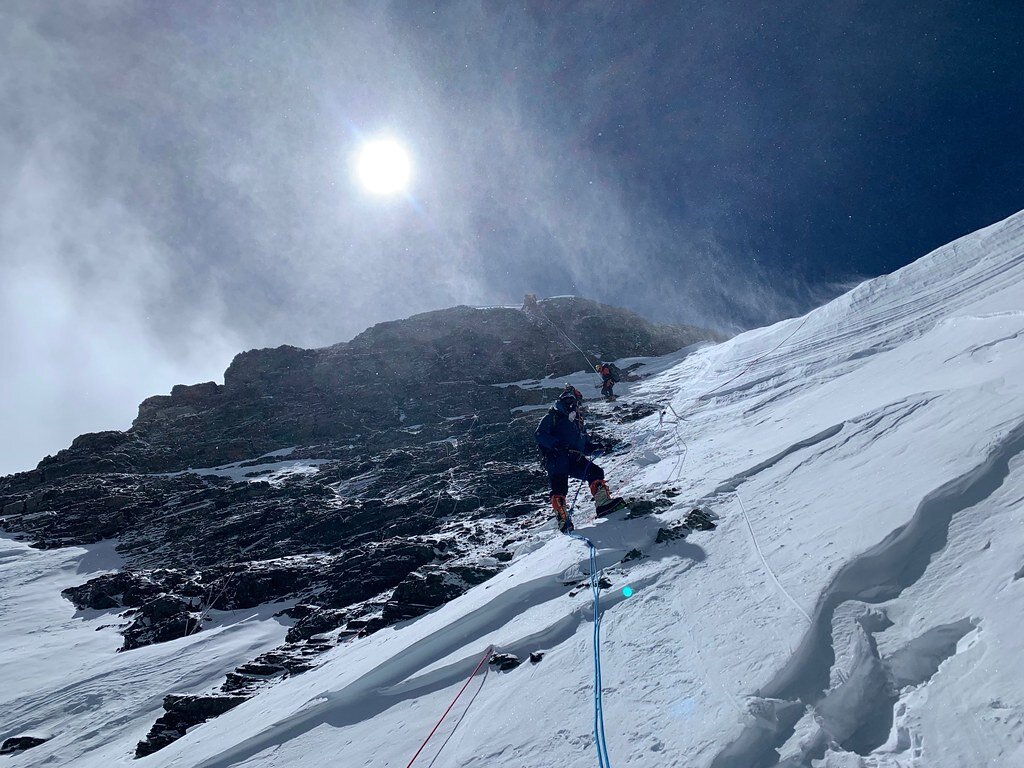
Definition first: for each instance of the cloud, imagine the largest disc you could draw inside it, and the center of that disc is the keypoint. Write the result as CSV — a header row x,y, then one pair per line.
x,y
180,190
81,280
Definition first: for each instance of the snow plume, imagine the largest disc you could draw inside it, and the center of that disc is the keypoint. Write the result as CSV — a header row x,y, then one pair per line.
x,y
182,189
235,150
532,204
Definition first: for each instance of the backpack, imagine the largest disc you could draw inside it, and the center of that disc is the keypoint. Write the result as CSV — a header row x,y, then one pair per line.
x,y
555,415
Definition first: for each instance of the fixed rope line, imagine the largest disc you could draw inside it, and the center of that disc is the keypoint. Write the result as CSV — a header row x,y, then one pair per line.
x,y
757,359
438,502
207,607
572,505
746,368
683,451
603,761
767,567
487,671
590,363
487,655
698,398
451,472
590,463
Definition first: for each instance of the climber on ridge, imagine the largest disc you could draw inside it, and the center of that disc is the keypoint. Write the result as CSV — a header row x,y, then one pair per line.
x,y
562,438
609,378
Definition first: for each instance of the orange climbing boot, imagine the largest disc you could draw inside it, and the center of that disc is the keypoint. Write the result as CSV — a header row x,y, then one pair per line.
x,y
604,502
561,514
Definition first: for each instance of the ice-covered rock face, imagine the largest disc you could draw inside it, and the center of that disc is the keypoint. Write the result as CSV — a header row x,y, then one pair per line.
x,y
358,485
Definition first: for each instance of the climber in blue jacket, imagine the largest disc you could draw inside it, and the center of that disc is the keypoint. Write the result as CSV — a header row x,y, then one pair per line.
x,y
562,438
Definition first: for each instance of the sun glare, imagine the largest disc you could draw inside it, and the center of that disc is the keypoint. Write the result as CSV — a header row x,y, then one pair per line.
x,y
383,167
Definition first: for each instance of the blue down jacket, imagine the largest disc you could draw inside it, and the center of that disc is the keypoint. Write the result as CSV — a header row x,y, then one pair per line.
x,y
558,434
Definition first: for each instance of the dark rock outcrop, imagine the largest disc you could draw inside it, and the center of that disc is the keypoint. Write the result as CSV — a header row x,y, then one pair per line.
x,y
430,587
505,662
183,712
17,744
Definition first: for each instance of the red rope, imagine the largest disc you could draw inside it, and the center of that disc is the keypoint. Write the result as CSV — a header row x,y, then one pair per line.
x,y
487,655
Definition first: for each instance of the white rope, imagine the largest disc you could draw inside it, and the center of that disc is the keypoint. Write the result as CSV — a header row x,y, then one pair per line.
x,y
767,567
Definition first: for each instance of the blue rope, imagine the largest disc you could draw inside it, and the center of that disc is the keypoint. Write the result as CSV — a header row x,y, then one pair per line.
x,y
600,742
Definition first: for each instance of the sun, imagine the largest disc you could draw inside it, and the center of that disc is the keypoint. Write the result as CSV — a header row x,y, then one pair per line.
x,y
383,167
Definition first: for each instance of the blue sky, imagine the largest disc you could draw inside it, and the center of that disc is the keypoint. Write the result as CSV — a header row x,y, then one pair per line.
x,y
180,174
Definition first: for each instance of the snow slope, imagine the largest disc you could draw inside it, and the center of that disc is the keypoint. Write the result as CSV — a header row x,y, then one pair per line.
x,y
64,680
861,603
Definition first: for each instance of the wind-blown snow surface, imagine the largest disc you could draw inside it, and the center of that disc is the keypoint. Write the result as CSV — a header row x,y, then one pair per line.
x,y
62,677
868,569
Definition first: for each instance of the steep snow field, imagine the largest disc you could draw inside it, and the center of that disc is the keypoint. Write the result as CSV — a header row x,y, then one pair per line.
x,y
861,603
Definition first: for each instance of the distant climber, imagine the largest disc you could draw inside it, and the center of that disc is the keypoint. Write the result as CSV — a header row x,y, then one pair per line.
x,y
562,438
610,376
